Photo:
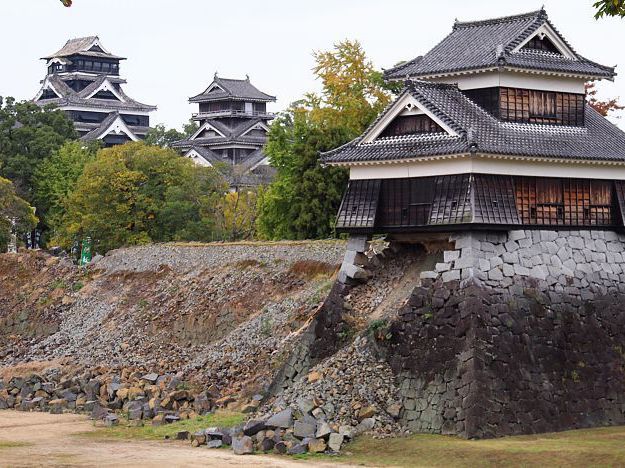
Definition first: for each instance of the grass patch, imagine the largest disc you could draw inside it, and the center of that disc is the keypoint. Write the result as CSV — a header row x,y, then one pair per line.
x,y
310,269
8,444
586,447
149,432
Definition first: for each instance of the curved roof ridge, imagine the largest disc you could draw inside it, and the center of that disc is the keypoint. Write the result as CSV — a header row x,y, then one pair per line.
x,y
501,19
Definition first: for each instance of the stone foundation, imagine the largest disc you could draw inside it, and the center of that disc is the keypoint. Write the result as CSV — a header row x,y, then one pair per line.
x,y
517,332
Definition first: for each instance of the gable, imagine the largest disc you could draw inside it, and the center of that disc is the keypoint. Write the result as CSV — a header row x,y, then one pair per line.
x,y
547,40
96,48
407,116
105,95
197,158
541,43
207,131
411,125
258,130
106,91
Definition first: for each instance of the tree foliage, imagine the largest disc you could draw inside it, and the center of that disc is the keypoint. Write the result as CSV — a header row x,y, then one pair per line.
x,y
12,207
237,214
135,193
28,135
609,8
303,200
164,137
603,107
56,177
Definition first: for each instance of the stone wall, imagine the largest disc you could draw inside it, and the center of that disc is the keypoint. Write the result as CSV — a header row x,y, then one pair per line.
x,y
516,332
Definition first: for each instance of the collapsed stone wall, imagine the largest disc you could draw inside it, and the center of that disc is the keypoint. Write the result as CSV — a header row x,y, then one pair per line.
x,y
516,332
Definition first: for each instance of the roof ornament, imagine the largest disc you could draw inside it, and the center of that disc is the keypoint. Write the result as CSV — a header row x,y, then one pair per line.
x,y
247,77
455,23
215,77
471,140
499,52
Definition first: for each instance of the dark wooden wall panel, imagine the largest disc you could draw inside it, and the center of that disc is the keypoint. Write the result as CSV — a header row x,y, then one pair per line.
x,y
452,200
360,204
494,199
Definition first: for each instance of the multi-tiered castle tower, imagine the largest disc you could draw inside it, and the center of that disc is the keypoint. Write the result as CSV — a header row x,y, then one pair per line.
x,y
83,80
492,162
233,125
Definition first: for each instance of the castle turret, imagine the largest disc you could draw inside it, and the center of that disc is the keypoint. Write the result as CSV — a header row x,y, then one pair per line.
x,y
83,80
233,125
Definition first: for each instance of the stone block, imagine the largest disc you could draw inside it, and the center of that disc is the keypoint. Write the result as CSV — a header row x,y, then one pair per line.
x,y
450,255
358,243
521,270
511,246
576,242
484,264
516,235
452,275
508,270
495,274
511,257
428,275
441,267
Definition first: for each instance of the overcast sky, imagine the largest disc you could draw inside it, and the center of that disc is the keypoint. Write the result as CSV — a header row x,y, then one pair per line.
x,y
175,47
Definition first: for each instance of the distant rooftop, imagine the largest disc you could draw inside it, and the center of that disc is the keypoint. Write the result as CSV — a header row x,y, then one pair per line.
x,y
89,46
495,43
228,88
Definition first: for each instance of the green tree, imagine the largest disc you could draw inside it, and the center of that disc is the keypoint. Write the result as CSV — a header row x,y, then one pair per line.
x,y
164,137
12,207
609,8
28,135
56,177
135,194
303,200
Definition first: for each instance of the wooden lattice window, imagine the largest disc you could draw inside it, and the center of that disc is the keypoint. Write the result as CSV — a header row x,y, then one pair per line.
x,y
410,125
406,202
545,107
568,202
544,44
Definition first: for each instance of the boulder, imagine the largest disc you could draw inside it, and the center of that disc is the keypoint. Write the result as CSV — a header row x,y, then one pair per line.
x,y
281,420
280,447
367,412
347,431
365,425
297,449
111,420
266,445
303,429
253,426
317,446
335,442
182,435
243,445
213,444
323,430
151,378
305,405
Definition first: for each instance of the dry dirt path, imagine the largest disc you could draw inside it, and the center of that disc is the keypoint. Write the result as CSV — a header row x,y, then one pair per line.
x,y
51,440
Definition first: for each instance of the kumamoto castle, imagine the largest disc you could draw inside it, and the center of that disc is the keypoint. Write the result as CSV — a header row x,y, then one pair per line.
x,y
492,163
491,156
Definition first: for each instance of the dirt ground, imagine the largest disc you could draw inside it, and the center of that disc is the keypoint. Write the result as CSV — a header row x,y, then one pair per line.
x,y
41,439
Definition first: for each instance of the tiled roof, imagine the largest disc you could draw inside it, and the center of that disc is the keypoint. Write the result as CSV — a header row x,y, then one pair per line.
x,y
232,135
69,97
81,46
233,89
478,131
97,132
490,44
